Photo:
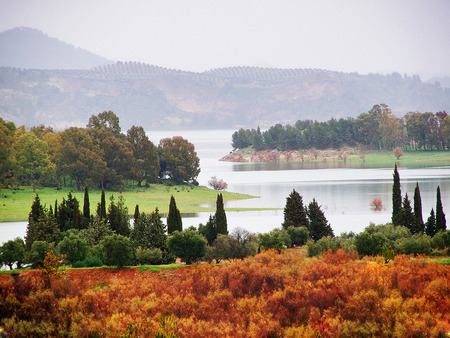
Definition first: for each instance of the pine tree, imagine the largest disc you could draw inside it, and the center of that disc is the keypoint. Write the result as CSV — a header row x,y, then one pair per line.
x,y
318,224
419,226
294,211
440,216
211,230
118,219
158,237
396,198
101,207
86,206
69,216
174,222
430,225
407,218
221,217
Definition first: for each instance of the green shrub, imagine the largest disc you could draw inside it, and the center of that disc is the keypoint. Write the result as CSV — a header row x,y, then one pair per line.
x,y
88,262
74,248
418,244
333,243
276,239
441,240
299,235
188,245
149,256
116,250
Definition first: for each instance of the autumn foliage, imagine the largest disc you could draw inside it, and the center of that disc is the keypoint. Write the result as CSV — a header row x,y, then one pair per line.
x,y
270,294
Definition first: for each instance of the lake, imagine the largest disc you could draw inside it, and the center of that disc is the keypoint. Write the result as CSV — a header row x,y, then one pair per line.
x,y
343,192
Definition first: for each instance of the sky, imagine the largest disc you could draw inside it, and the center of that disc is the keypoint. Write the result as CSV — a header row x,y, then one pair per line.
x,y
371,36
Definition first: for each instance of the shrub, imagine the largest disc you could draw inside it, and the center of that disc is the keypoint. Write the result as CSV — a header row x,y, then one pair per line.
x,y
376,204
334,243
116,250
217,184
276,239
88,262
418,244
299,235
441,240
38,252
239,244
188,245
74,248
149,256
370,244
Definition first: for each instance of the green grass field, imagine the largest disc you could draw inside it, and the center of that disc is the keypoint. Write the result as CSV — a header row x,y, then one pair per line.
x,y
410,158
17,203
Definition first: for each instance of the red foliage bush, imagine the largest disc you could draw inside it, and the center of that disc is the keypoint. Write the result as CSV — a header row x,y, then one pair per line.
x,y
270,294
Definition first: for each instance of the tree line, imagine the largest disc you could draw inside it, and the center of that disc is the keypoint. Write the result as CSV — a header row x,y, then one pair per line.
x,y
99,155
376,129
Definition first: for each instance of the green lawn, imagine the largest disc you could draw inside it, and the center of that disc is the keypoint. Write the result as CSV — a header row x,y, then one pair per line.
x,y
410,158
17,203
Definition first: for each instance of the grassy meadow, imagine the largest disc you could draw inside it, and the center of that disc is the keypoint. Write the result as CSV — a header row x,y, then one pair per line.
x,y
15,204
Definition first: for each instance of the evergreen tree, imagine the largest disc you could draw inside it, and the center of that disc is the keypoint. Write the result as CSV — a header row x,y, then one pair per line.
x,y
158,236
294,211
55,214
118,218
318,224
174,222
221,217
86,206
101,207
407,218
430,225
69,216
41,226
419,226
211,230
440,216
136,214
140,234
396,198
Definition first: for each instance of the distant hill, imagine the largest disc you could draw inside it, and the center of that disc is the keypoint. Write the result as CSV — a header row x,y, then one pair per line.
x,y
444,81
31,49
156,97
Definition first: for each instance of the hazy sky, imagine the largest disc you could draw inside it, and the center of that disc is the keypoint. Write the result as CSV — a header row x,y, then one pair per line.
x,y
383,36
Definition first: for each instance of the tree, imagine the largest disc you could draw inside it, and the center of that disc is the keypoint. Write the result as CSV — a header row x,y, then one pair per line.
x,y
398,152
276,239
318,224
13,251
217,184
7,170
101,207
294,211
116,250
419,225
430,225
174,221
32,160
188,245
86,206
211,230
81,159
136,214
396,198
118,218
407,217
145,156
37,253
41,226
178,159
73,247
69,216
107,120
299,235
221,217
440,216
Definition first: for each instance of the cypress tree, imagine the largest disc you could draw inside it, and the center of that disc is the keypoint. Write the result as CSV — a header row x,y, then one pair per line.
x,y
430,225
396,198
157,232
440,216
211,230
55,214
221,217
294,211
86,206
419,227
407,218
318,224
174,222
118,218
136,214
101,207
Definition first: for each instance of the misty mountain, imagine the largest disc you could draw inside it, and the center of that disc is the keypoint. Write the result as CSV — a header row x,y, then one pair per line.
x,y
31,49
156,97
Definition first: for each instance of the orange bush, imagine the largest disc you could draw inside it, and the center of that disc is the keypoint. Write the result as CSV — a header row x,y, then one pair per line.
x,y
270,294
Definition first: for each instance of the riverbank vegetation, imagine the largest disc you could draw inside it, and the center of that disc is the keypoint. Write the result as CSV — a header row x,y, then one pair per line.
x,y
378,129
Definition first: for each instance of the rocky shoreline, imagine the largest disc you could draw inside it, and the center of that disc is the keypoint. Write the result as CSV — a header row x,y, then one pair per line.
x,y
274,155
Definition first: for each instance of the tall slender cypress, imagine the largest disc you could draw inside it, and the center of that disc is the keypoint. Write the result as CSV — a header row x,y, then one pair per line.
x,y
396,198
101,207
419,227
86,206
136,214
440,216
221,217
174,222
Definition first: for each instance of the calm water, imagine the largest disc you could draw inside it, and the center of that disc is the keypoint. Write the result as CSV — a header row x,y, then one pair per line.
x,y
344,193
